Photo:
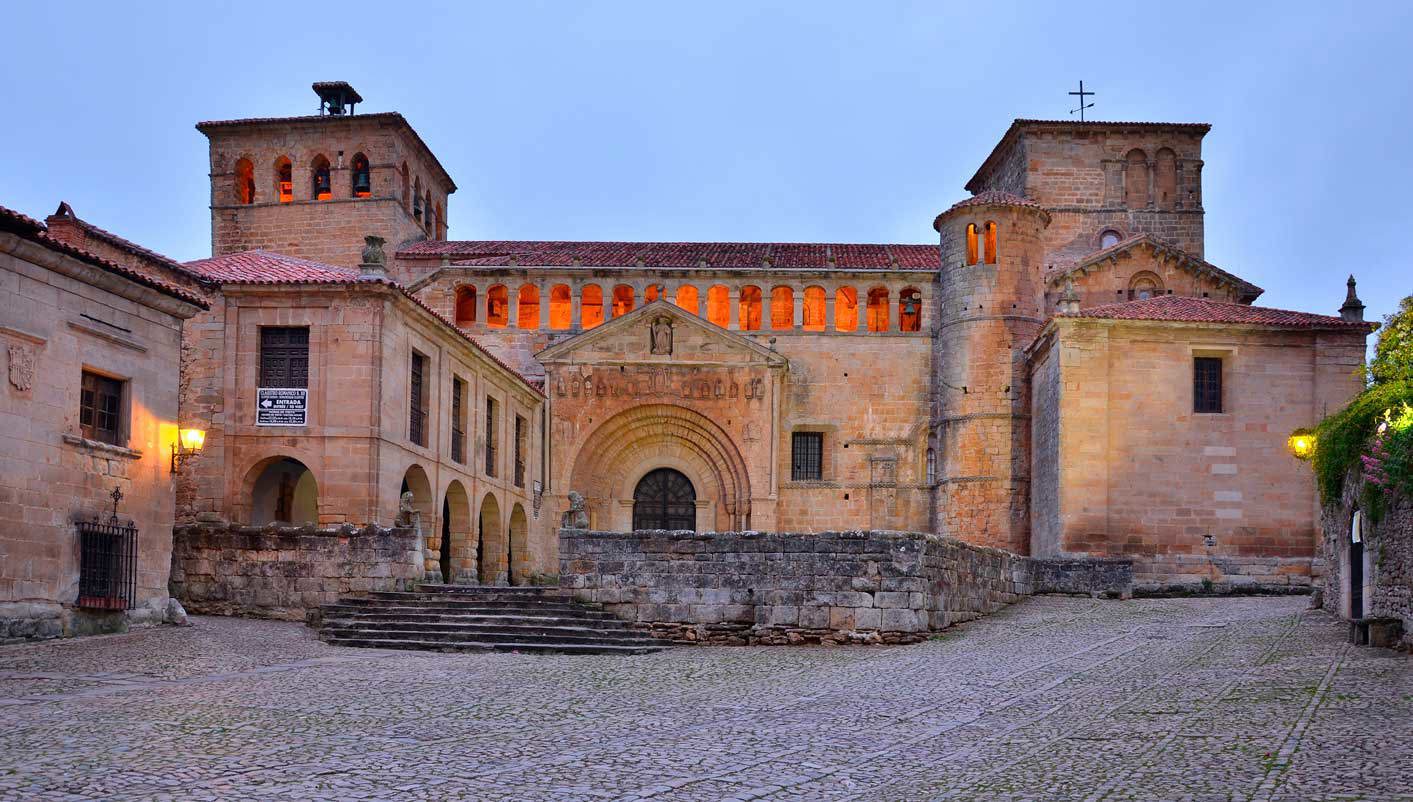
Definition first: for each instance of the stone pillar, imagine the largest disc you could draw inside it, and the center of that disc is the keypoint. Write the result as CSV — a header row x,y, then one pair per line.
x,y
576,309
512,314
544,307
733,303
830,295
799,321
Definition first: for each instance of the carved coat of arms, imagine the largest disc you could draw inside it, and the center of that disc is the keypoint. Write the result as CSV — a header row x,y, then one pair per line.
x,y
21,367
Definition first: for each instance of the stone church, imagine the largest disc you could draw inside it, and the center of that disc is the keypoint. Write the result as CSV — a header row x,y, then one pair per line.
x,y
1061,372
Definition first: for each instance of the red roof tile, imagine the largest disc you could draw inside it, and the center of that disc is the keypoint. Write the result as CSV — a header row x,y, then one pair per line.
x,y
1181,309
991,197
781,255
35,231
1249,291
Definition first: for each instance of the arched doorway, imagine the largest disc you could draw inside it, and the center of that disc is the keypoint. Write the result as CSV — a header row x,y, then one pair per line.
x,y
664,499
490,543
429,529
283,491
517,560
455,553
1356,565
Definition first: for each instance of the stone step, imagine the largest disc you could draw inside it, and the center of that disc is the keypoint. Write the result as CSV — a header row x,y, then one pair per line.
x,y
473,590
470,608
546,648
508,625
586,637
477,594
358,614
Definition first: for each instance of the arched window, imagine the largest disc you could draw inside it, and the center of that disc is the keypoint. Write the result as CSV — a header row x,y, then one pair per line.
x,y
878,309
362,177
910,309
814,309
417,199
782,308
973,244
431,215
1109,238
719,305
465,305
1144,285
653,292
498,307
441,224
1136,180
284,179
1165,181
622,300
244,182
320,188
990,244
406,187
591,305
528,315
931,466
686,299
846,309
561,307
750,308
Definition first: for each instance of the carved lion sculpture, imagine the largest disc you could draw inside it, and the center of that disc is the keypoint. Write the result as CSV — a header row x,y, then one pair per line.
x,y
576,517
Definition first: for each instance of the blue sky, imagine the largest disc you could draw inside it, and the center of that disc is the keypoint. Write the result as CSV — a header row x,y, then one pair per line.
x,y
739,121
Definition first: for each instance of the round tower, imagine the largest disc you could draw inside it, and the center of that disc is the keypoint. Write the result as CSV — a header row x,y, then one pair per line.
x,y
989,310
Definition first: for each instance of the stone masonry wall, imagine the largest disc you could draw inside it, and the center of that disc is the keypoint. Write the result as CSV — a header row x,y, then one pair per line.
x,y
282,572
757,587
1388,559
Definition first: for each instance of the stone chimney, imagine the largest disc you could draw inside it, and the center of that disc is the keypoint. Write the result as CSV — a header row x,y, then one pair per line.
x,y
1353,309
374,260
1069,299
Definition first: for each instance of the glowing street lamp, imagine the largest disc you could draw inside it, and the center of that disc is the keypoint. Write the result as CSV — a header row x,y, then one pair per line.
x,y
189,443
1301,443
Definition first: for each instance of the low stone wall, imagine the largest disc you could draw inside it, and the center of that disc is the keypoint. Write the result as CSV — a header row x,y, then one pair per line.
x,y
282,572
1387,563
1111,577
1199,574
756,587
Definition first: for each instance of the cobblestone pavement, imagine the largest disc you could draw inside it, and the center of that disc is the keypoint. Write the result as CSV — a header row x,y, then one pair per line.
x,y
1052,699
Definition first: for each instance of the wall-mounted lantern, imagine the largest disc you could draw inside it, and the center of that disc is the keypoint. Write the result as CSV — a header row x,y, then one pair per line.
x,y
188,443
1301,443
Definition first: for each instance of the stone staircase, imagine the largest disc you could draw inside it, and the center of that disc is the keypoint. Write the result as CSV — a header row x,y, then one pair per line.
x,y
468,618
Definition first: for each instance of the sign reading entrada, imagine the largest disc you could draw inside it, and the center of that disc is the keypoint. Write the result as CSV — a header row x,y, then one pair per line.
x,y
281,406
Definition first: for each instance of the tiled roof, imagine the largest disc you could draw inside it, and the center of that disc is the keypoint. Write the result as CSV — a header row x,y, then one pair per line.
x,y
327,119
67,211
781,255
31,229
1017,125
1024,122
267,268
991,197
1181,309
1249,291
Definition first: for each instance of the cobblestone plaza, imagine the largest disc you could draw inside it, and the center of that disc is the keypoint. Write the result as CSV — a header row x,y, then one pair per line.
x,y
1051,699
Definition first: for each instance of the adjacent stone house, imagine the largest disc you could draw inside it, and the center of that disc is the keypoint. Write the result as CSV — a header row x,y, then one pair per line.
x,y
88,425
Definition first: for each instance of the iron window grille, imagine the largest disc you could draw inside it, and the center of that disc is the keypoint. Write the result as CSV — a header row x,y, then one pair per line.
x,y
101,408
1207,384
107,565
519,451
807,456
284,356
417,422
458,429
491,436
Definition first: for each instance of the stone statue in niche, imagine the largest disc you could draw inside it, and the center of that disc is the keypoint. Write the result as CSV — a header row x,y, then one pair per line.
x,y
406,510
662,336
577,516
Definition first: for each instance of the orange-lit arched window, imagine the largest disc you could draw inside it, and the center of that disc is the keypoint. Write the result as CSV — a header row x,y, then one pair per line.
x,y
878,309
990,248
719,305
361,177
910,309
782,308
814,309
591,305
498,306
846,309
465,305
622,300
561,307
750,308
528,315
320,188
244,181
687,299
284,179
973,246
653,292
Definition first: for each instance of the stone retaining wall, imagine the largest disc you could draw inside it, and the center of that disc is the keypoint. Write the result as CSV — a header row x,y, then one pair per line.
x,y
282,572
756,587
1387,563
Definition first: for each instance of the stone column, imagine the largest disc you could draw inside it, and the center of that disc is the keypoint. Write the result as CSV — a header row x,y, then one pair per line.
x,y
576,309
512,295
544,307
799,321
733,303
829,298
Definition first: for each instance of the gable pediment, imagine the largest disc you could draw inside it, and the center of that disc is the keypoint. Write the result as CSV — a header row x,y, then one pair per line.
x,y
1148,247
663,334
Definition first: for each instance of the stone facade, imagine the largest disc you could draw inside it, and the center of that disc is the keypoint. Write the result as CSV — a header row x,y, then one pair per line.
x,y
1385,573
285,572
758,587
70,312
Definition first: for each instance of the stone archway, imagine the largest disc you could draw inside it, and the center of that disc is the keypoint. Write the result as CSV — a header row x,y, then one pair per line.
x,y
282,490
428,523
623,449
491,551
457,552
519,543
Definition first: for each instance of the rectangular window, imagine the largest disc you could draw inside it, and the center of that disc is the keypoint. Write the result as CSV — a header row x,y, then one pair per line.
x,y
284,356
458,420
520,432
101,408
807,456
417,423
1207,384
492,434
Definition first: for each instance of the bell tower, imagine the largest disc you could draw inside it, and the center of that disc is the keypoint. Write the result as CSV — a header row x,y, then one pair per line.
x,y
992,248
315,186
